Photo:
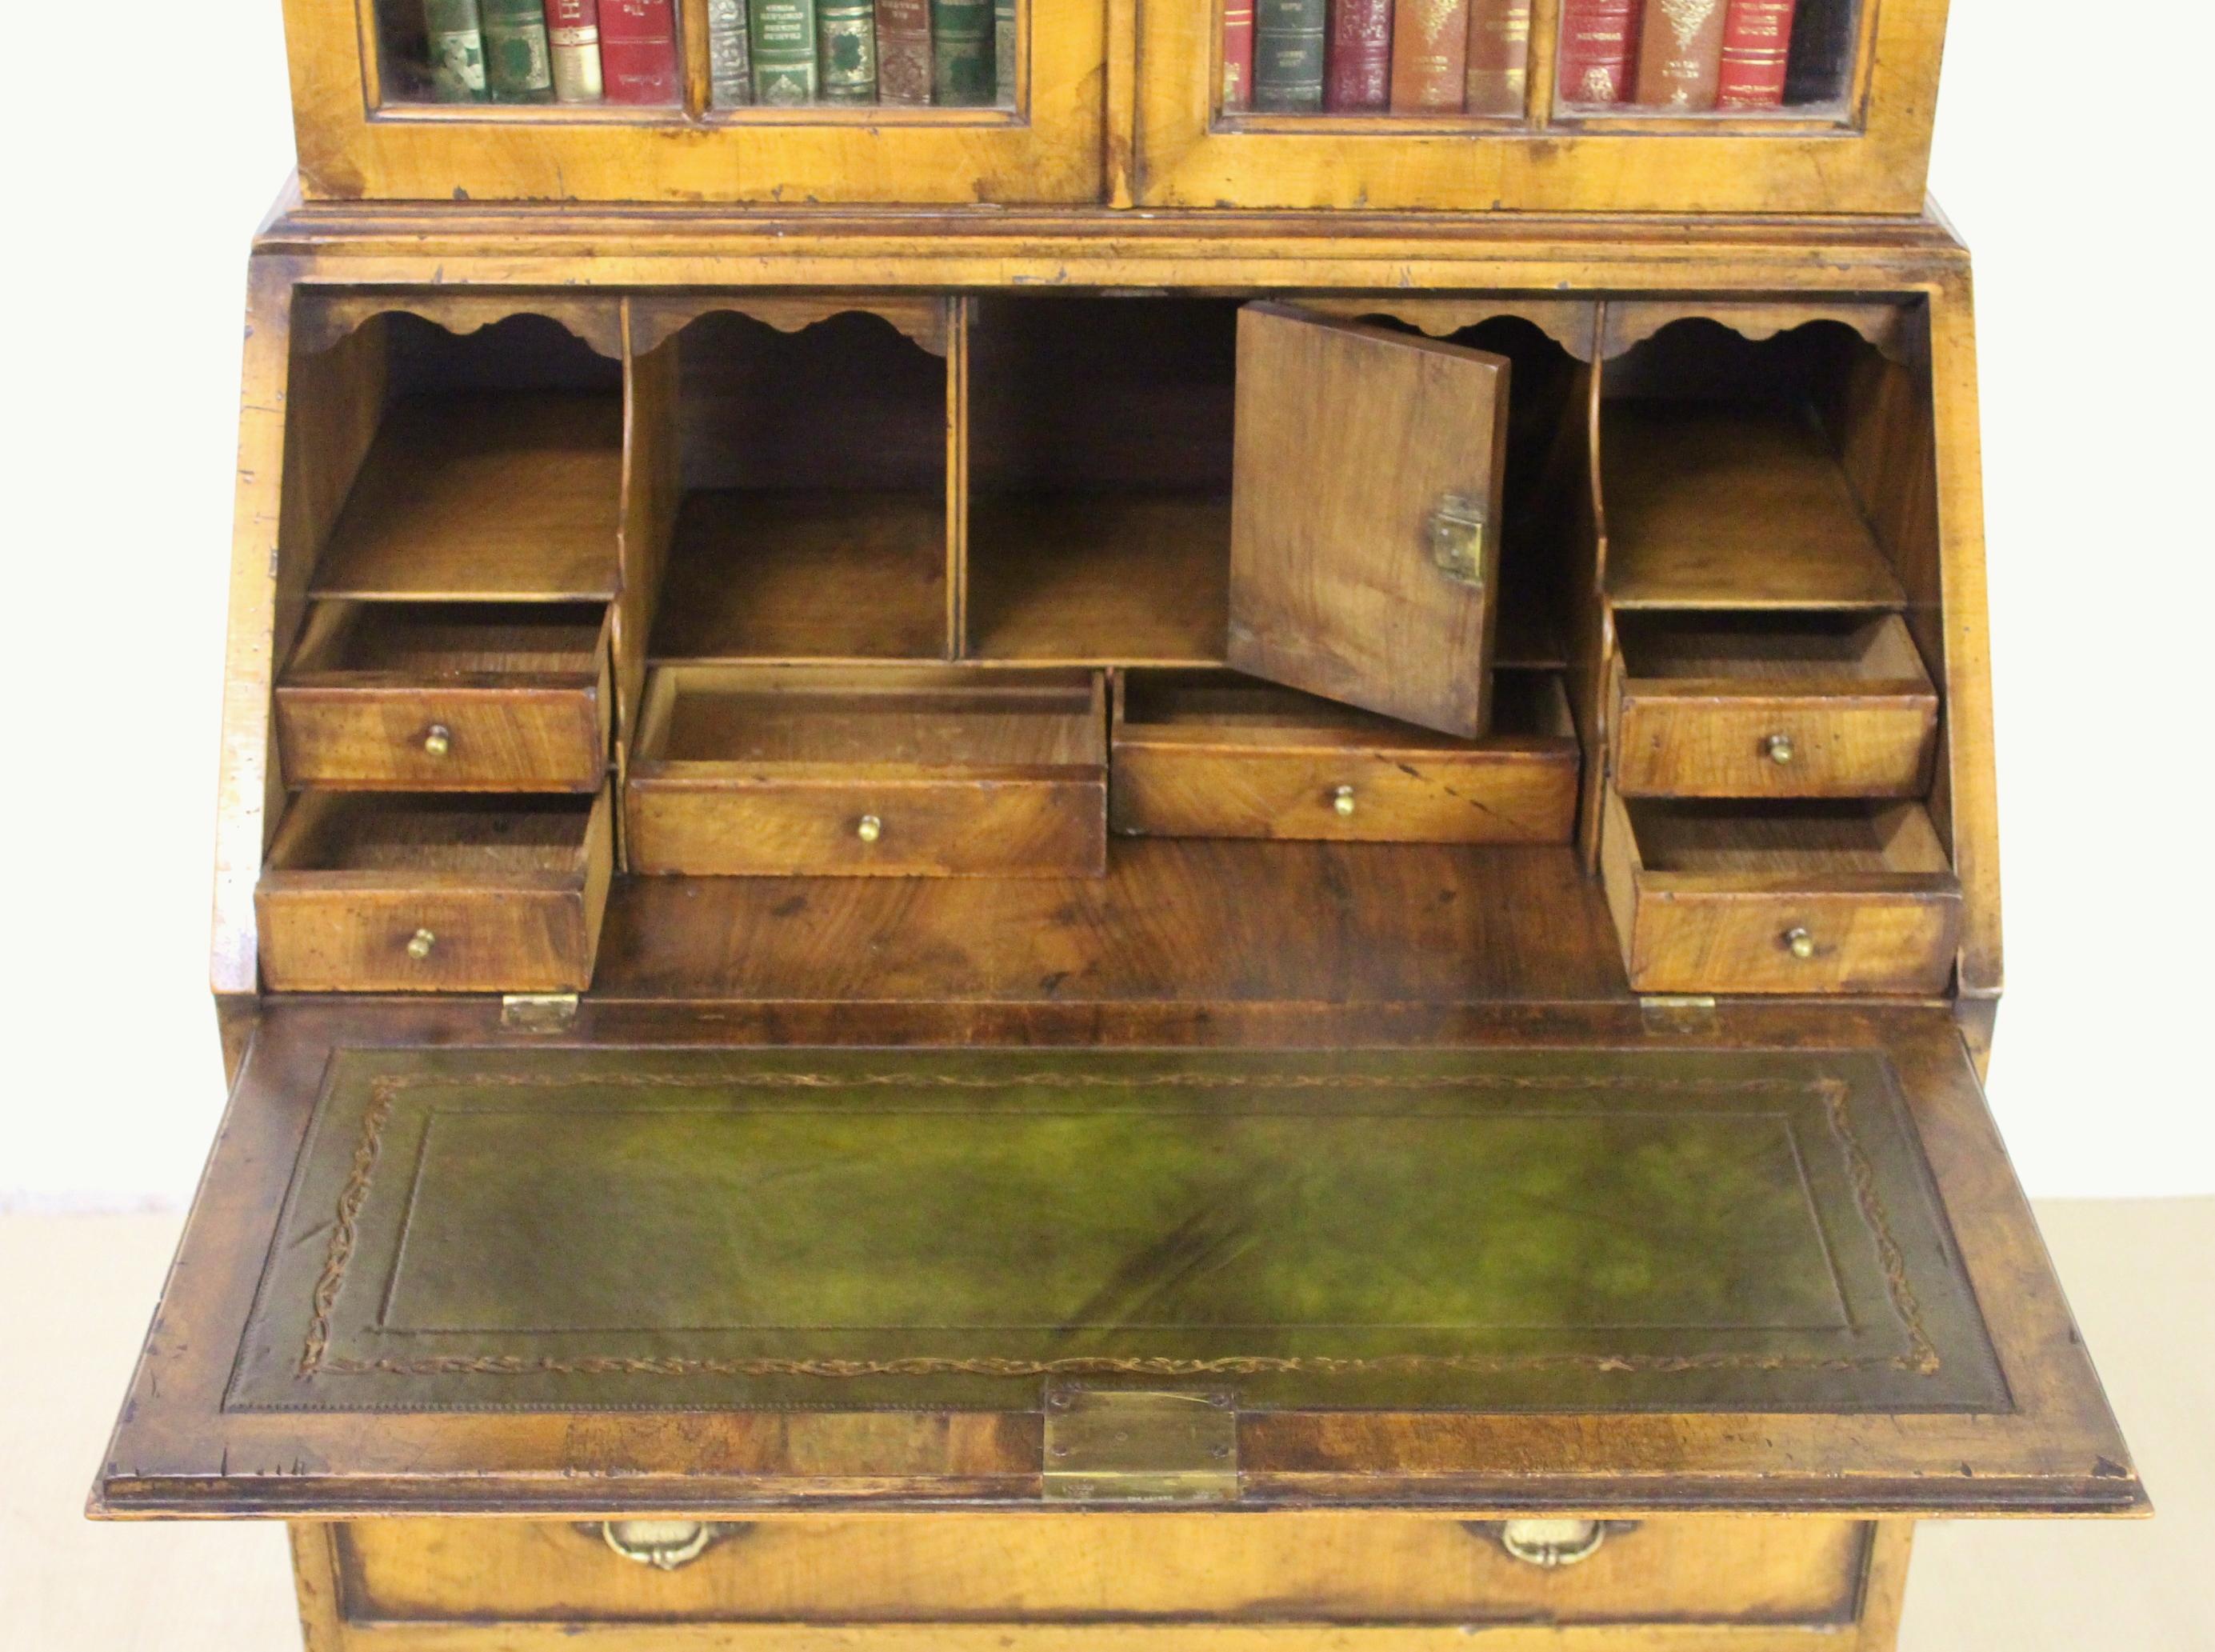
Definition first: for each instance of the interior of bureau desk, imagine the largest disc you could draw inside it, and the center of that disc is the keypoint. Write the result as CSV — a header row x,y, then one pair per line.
x,y
1046,482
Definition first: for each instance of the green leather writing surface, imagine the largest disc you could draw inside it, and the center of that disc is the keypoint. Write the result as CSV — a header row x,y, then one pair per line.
x,y
1551,1230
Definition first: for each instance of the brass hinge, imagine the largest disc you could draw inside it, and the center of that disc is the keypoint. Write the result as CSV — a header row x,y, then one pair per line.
x,y
1457,529
538,1012
1123,1445
1685,1012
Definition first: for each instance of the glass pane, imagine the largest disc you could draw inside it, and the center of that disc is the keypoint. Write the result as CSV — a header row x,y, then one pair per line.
x,y
1428,58
948,54
1690,57
526,52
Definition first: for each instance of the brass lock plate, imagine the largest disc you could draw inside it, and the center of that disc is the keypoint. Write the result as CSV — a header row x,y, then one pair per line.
x,y
1134,1446
1456,533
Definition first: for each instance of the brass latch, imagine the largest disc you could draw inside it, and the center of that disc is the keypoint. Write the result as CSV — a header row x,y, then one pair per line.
x,y
1458,539
1122,1446
538,1012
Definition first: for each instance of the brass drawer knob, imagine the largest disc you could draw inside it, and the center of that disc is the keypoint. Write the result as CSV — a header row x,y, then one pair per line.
x,y
1552,1543
440,741
869,828
420,944
1341,801
1799,944
1778,748
663,1544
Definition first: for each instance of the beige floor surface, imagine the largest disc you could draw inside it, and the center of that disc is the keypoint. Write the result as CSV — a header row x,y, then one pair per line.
x,y
75,1292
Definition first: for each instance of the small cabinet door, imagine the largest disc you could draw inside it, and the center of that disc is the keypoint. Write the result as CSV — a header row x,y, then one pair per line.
x,y
1364,516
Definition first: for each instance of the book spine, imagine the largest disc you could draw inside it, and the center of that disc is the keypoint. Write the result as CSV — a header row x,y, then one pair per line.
x,y
1288,56
846,49
962,64
1757,46
730,72
903,51
456,39
783,35
1003,51
518,63
638,51
1357,55
1597,39
573,36
1499,57
1680,54
1237,55
1429,54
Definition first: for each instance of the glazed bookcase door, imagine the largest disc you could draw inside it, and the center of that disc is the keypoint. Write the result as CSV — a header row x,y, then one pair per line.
x,y
822,102
1690,106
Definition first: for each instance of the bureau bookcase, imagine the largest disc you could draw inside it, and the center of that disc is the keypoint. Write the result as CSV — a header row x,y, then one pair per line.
x,y
1186,911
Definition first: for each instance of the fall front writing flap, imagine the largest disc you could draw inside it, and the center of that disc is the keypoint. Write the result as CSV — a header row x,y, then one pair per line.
x,y
466,1272
1364,519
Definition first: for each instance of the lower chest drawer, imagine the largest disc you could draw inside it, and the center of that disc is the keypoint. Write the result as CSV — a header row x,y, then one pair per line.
x,y
1046,1569
888,771
447,697
1807,897
410,892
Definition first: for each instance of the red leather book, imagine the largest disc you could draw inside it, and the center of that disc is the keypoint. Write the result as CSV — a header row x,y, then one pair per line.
x,y
1237,55
1598,39
1357,56
904,51
638,51
1499,56
1680,54
1757,45
1429,54
572,34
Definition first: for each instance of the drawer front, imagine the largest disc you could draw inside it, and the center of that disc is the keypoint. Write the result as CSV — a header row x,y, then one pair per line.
x,y
942,828
1233,1569
444,740
483,940
1355,797
1773,745
1713,941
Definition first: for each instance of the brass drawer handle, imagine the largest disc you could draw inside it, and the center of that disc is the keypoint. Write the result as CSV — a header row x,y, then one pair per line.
x,y
440,741
1549,1543
663,1544
1341,801
420,944
869,828
1799,943
1778,748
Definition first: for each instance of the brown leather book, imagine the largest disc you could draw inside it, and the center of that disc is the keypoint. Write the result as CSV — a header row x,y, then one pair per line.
x,y
1429,54
1680,54
1499,56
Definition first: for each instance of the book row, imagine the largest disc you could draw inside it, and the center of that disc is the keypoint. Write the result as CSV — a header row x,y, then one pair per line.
x,y
953,52
1470,56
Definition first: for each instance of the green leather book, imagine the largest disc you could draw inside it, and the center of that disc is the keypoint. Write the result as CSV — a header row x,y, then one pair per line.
x,y
1288,53
962,65
455,41
1004,51
783,42
519,59
846,49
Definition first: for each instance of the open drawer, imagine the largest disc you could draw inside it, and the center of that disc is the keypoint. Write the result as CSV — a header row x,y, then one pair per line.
x,y
1771,705
897,771
370,891
447,697
1776,1263
1210,754
1805,897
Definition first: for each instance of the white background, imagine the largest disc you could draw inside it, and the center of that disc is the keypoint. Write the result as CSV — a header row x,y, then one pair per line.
x,y
2090,215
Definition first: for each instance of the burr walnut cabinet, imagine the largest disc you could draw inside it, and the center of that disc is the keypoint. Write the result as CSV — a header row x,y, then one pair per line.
x,y
1148,918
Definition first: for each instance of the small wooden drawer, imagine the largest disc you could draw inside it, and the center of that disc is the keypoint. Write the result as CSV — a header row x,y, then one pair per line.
x,y
1803,897
894,771
1216,755
1771,705
447,697
401,893
1188,1573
